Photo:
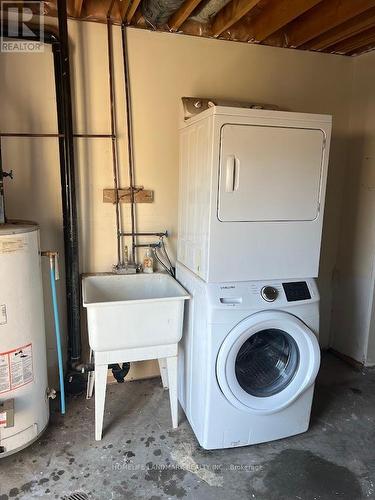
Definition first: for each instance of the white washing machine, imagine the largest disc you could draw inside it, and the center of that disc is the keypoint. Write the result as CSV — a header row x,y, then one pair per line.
x,y
252,192
248,359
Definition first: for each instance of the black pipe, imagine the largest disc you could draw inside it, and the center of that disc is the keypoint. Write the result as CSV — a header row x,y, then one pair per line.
x,y
79,136
67,170
68,190
2,203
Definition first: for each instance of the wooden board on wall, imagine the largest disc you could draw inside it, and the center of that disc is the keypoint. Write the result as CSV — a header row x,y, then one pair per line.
x,y
140,195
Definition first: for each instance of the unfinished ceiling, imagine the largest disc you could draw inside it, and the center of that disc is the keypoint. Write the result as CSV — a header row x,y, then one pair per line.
x,y
333,26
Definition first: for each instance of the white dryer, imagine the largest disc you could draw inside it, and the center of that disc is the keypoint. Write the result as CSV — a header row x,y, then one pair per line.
x,y
252,190
248,359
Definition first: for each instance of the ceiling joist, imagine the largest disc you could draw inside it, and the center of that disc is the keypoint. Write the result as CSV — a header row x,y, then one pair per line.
x,y
355,42
332,26
131,11
361,50
123,6
325,16
78,4
345,30
181,14
277,14
230,14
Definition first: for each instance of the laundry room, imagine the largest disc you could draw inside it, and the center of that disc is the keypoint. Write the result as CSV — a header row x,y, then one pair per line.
x,y
187,249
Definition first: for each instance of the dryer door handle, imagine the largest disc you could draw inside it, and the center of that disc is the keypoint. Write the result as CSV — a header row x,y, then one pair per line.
x,y
232,174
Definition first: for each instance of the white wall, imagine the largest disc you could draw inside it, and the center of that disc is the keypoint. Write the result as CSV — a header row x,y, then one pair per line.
x,y
27,103
163,68
353,325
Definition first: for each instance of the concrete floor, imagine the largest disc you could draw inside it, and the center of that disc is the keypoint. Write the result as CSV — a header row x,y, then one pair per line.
x,y
141,457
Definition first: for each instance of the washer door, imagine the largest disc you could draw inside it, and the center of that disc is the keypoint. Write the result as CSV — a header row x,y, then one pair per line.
x,y
267,361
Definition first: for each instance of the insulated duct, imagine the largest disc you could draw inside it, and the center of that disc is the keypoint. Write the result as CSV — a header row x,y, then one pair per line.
x,y
209,10
157,12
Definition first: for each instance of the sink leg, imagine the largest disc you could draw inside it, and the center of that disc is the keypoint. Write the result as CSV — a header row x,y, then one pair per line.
x,y
163,372
172,382
100,389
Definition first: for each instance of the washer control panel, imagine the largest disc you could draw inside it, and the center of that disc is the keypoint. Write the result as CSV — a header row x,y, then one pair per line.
x,y
259,295
297,290
269,293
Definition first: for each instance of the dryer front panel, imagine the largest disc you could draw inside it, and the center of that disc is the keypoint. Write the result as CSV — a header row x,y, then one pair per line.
x,y
269,173
252,190
267,361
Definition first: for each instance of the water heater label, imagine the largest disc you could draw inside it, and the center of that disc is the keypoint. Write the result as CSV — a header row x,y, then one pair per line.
x,y
11,245
3,419
3,314
4,373
16,368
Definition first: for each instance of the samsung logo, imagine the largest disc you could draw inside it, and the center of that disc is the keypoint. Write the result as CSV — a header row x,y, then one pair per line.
x,y
228,287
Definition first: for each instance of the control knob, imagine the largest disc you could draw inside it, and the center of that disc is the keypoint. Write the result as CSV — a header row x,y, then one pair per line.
x,y
269,293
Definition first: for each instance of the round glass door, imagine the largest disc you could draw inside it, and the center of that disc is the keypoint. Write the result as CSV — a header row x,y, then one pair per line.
x,y
267,362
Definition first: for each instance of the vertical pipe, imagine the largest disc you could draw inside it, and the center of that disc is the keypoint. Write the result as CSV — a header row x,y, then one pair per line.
x,y
114,133
2,203
67,170
53,267
129,122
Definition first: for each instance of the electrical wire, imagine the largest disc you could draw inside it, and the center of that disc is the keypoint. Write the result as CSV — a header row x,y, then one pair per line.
x,y
162,257
167,256
161,262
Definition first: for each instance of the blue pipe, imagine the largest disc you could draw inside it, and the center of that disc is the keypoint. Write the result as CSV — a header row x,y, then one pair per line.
x,y
58,336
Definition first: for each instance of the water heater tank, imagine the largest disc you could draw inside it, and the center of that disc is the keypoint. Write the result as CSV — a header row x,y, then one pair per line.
x,y
24,408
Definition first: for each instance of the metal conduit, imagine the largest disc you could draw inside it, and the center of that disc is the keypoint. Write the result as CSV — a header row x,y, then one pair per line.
x,y
129,122
114,133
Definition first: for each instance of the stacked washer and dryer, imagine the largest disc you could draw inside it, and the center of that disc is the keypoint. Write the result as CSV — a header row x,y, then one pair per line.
x,y
252,190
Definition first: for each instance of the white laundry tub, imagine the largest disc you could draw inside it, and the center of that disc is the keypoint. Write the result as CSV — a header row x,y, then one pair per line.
x,y
132,311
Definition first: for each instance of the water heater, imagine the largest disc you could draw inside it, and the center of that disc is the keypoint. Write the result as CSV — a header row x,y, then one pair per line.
x,y
24,407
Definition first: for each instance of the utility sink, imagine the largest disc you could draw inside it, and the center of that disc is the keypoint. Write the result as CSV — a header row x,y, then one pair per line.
x,y
133,310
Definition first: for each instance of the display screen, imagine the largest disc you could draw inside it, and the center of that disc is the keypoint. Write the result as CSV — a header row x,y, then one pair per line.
x,y
297,290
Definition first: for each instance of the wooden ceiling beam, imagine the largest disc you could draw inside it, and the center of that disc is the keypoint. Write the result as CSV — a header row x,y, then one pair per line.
x,y
230,14
78,4
138,18
181,14
131,11
123,7
342,31
276,15
323,17
74,8
354,42
361,50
